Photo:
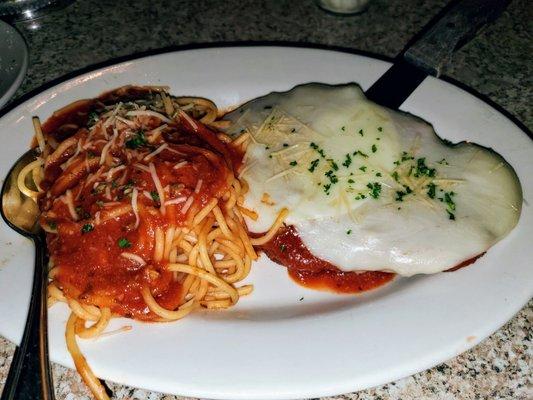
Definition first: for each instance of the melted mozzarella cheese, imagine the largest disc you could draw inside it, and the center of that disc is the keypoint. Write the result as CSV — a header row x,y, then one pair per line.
x,y
369,188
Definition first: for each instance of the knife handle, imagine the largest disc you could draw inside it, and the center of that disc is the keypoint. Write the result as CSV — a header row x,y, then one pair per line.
x,y
456,25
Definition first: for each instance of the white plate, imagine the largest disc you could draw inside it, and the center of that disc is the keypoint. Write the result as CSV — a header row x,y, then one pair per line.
x,y
13,61
273,344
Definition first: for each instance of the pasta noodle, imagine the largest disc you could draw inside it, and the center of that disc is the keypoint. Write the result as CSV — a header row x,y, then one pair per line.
x,y
142,210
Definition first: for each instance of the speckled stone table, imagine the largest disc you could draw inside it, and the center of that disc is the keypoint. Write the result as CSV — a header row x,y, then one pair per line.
x,y
497,63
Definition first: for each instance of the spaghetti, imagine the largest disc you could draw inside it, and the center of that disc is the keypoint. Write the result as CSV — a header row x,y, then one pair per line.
x,y
143,212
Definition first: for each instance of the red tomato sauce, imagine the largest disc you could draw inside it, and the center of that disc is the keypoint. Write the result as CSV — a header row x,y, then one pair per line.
x,y
93,271
465,263
287,249
90,266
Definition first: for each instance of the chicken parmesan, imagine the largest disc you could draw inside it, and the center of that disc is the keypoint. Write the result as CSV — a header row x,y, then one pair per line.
x,y
369,192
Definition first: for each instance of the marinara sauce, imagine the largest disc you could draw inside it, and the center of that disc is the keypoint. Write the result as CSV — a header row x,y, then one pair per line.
x,y
287,248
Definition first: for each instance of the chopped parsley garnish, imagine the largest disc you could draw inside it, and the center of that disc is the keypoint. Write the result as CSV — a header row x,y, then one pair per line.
x,y
347,161
363,168
93,117
360,196
378,174
423,169
128,185
124,243
285,145
333,164
451,215
138,140
283,247
326,188
343,128
332,177
431,190
443,162
313,166
155,196
314,146
351,180
293,130
349,231
293,163
86,228
359,152
399,195
374,148
375,189
82,213
380,128
449,201
395,176
361,132
406,156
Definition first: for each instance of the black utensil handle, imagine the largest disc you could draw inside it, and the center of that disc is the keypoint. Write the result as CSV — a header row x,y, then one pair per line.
x,y
460,24
29,376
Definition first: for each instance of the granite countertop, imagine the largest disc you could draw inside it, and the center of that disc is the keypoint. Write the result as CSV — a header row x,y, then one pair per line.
x,y
495,63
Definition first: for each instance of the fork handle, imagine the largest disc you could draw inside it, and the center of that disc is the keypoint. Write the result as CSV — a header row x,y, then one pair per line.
x,y
29,375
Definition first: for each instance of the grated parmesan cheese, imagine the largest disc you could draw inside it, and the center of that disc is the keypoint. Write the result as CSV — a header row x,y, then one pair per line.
x,y
188,119
133,257
127,122
156,152
150,114
134,206
198,186
71,159
112,171
142,167
158,186
108,145
187,205
179,165
147,194
67,199
177,200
